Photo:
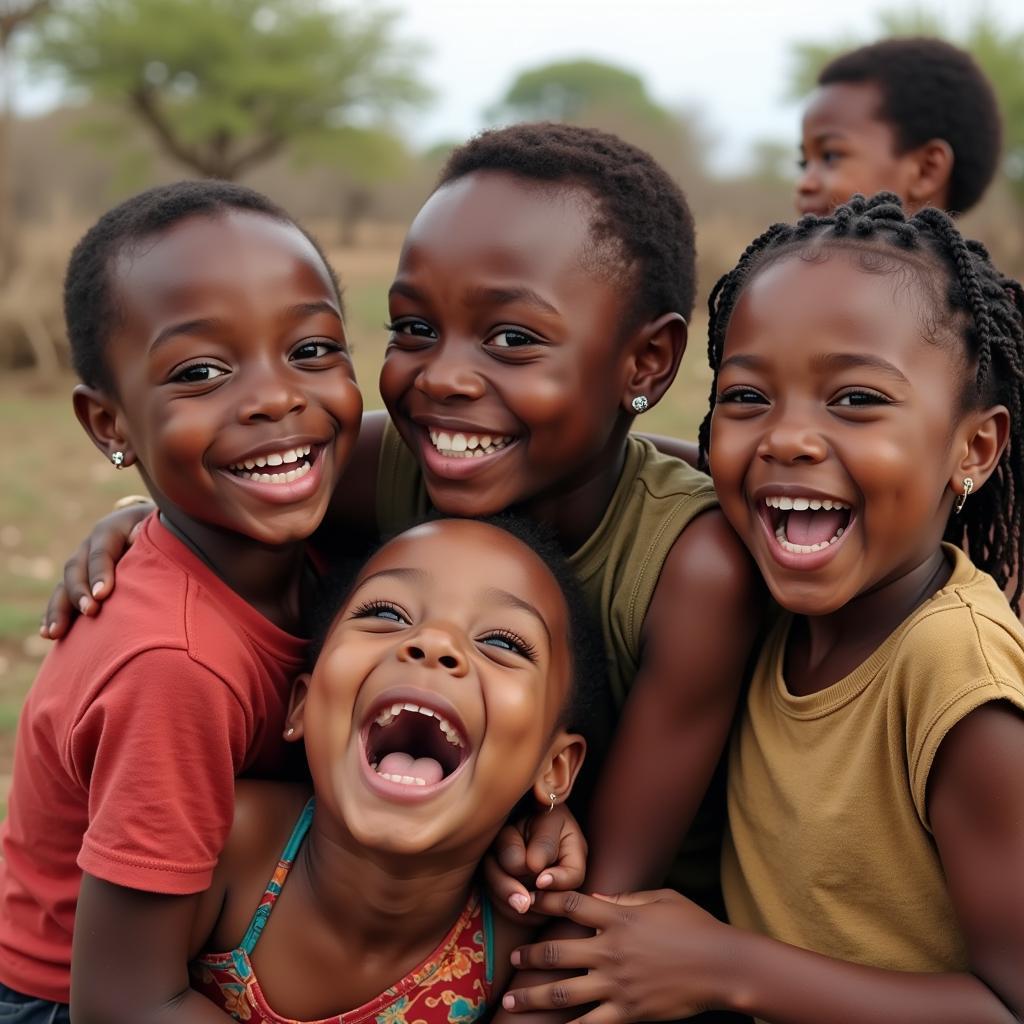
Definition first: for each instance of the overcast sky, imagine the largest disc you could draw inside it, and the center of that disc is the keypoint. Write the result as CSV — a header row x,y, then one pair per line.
x,y
724,58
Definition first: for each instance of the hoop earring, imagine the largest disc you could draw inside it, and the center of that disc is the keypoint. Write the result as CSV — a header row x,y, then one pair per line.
x,y
551,806
117,458
640,404
961,499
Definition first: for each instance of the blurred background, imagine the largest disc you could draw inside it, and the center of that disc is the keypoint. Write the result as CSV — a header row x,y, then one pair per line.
x,y
344,112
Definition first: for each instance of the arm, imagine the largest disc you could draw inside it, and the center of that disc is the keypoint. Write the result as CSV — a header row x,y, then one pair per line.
x,y
158,750
130,957
659,956
687,451
680,708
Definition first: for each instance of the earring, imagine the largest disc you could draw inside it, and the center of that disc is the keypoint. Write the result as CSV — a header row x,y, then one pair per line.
x,y
117,458
640,404
551,807
291,731
961,499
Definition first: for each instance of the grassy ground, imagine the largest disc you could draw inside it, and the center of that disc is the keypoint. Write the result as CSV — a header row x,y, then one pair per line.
x,y
56,484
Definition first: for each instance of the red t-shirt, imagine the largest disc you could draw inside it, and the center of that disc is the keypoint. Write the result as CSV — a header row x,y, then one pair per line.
x,y
128,746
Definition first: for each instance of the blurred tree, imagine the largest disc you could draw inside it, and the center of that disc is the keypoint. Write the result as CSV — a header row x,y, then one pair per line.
x,y
224,85
997,49
571,90
14,15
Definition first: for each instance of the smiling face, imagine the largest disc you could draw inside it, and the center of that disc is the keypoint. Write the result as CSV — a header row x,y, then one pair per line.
x,y
847,148
435,702
506,370
835,429
234,390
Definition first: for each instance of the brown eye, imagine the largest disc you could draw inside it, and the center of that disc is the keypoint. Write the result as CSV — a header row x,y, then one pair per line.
x,y
199,373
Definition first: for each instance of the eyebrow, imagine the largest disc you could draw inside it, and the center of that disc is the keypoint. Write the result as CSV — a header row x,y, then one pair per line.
x,y
398,573
503,597
826,361
483,295
853,361
201,325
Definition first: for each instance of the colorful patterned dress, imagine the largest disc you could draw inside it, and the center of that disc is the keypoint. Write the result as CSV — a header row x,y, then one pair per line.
x,y
452,986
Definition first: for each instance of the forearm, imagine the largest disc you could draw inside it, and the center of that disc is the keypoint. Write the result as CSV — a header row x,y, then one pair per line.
x,y
189,1007
782,984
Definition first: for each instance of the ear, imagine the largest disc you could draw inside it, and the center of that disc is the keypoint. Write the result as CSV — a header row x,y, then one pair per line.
x,y
101,420
930,173
293,727
981,443
560,767
656,349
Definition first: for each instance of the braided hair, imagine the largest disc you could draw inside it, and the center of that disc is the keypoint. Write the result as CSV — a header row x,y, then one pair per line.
x,y
975,302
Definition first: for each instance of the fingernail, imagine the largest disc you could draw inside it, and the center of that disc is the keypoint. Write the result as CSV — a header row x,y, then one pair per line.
x,y
51,629
96,588
83,604
520,903
508,1001
545,879
516,960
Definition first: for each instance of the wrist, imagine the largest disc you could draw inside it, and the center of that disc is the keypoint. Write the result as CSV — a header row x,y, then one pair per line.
x,y
734,952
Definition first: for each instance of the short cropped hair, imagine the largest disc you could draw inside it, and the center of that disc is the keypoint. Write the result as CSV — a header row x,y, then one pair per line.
x,y
90,311
932,90
642,217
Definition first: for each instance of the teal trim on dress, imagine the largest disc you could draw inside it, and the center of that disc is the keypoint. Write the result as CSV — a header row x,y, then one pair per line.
x,y
488,915
273,889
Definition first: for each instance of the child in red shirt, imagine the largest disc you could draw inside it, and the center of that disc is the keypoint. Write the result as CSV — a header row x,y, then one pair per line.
x,y
207,330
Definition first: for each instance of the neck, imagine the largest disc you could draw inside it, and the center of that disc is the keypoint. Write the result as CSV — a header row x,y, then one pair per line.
x,y
865,622
267,577
389,905
576,507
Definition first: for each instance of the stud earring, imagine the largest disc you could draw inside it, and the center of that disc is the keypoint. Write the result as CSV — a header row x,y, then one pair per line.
x,y
291,731
117,458
640,404
551,806
961,499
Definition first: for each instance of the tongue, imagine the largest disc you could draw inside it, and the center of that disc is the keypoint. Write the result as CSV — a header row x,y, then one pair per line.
x,y
401,763
813,527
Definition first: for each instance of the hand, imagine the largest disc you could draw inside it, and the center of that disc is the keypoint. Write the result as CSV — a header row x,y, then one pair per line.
x,y
656,956
89,572
547,851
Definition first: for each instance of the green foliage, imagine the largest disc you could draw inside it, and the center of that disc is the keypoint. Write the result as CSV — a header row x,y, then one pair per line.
x,y
570,90
998,50
224,85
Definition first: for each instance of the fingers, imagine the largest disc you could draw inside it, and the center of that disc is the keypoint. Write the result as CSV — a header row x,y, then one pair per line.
x,y
504,889
58,616
510,850
555,995
559,955
582,909
636,899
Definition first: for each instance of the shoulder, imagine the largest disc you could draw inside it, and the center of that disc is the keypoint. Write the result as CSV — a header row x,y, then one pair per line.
x,y
265,813
709,565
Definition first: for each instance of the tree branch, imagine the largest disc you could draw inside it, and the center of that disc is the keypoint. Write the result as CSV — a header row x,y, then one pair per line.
x,y
144,101
10,19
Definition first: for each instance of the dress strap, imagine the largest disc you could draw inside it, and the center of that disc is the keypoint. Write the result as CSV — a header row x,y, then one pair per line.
x,y
276,883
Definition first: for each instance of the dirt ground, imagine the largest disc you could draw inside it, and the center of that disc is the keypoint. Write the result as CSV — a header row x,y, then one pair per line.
x,y
56,484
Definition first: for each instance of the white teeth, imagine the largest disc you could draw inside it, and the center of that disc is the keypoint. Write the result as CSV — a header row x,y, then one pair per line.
x,y
803,504
405,780
467,446
282,458
804,549
388,715
277,478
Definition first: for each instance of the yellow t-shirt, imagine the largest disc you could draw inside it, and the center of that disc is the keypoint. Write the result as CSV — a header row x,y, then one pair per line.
x,y
829,844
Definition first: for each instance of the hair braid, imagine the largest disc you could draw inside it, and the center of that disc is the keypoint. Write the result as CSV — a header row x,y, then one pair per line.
x,y
992,305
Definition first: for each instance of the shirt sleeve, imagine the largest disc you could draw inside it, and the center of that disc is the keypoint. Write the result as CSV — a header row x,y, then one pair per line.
x,y
158,751
961,661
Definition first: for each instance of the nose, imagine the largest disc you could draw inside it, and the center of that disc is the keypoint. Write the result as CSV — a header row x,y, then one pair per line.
x,y
809,182
792,440
272,393
435,647
446,374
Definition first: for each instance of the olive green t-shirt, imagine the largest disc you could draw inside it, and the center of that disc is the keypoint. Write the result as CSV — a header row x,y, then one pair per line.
x,y
829,845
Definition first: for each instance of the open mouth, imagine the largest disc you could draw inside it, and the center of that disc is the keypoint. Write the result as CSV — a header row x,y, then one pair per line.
x,y
281,467
803,526
412,745
468,446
